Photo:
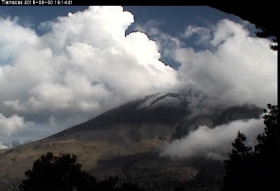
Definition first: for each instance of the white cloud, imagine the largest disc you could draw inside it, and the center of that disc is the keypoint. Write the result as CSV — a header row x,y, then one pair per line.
x,y
204,34
10,125
83,65
213,143
237,70
231,66
165,42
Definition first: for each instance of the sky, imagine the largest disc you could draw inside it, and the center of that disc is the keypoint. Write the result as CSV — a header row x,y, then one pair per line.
x,y
70,64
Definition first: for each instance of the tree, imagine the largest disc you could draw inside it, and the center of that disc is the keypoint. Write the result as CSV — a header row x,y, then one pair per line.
x,y
255,170
237,166
57,173
268,142
63,173
107,184
267,150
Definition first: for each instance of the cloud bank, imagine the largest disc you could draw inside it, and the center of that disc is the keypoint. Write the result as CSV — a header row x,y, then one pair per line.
x,y
213,143
83,64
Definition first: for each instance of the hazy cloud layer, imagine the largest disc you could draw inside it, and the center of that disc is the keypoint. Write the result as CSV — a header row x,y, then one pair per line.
x,y
213,143
204,34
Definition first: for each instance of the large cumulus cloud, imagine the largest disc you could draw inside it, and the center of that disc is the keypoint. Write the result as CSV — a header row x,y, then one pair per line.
x,y
230,64
235,68
81,66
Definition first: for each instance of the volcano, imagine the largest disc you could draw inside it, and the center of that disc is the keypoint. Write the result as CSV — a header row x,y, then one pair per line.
x,y
125,141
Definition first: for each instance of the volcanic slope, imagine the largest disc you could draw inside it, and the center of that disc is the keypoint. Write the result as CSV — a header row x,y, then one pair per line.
x,y
129,135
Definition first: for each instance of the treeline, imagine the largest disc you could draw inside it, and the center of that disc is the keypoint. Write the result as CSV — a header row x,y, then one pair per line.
x,y
63,173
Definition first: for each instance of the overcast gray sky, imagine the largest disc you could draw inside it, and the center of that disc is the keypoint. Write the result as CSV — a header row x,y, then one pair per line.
x,y
66,66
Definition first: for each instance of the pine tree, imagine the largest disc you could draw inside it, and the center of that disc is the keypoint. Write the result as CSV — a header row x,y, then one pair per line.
x,y
237,166
50,172
268,142
257,170
267,150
